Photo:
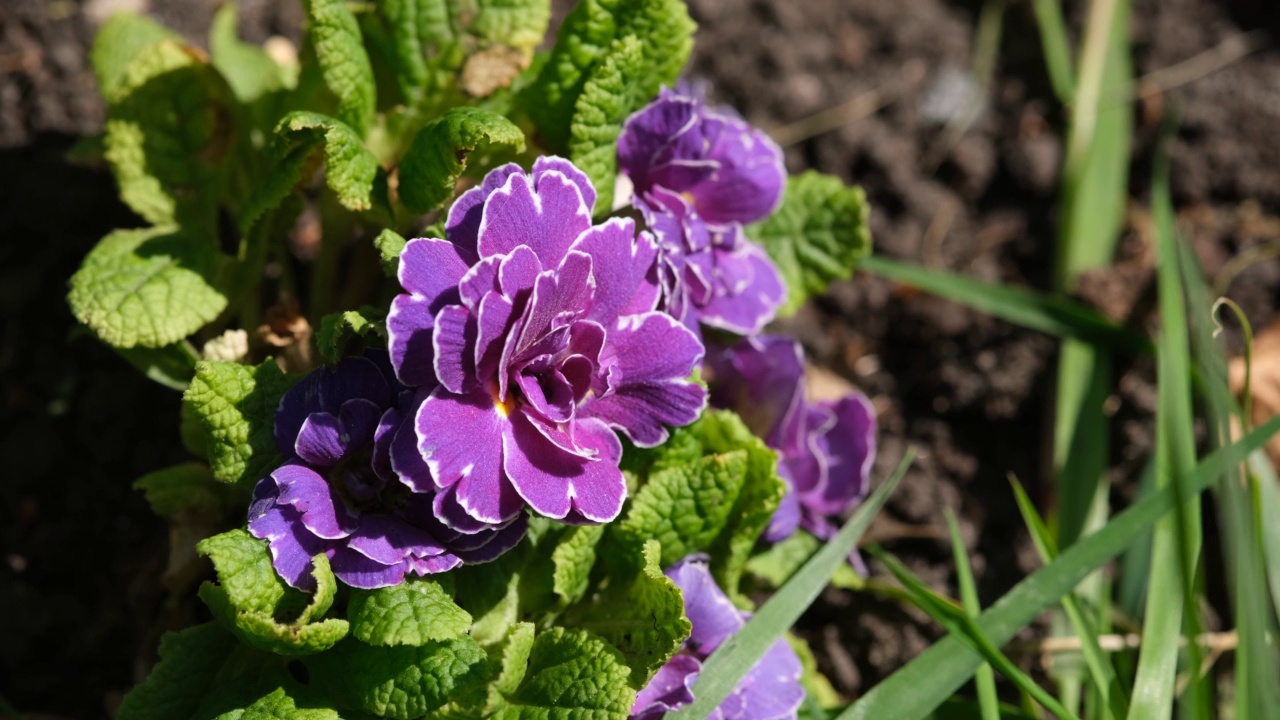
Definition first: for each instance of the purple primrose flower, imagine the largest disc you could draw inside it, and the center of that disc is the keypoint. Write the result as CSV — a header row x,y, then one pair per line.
x,y
339,494
698,175
771,691
825,449
533,335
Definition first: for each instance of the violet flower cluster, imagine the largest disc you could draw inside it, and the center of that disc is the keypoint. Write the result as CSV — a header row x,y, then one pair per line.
x,y
534,335
698,174
349,487
770,691
826,449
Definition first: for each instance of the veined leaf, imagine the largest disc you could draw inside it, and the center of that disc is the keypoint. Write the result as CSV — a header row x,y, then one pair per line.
x,y
441,150
607,99
347,72
233,408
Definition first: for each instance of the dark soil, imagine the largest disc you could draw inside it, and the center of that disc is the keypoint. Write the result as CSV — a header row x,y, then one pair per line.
x,y
81,604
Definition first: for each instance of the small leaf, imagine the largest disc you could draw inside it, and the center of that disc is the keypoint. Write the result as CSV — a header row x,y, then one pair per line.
x,y
339,47
234,407
606,100
572,674
643,619
182,487
258,607
249,70
350,169
665,34
440,151
573,558
345,333
118,42
511,657
189,662
818,234
389,245
147,287
172,365
404,681
280,705
412,613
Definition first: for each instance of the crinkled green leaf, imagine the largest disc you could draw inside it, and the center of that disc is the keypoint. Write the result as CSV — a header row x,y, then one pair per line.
x,y
781,560
440,152
280,705
718,503
665,34
189,663
171,365
339,47
573,558
818,234
182,487
234,408
511,660
168,130
149,287
608,98
252,600
403,681
644,618
350,169
345,333
412,613
249,70
118,42
572,675
491,594
389,245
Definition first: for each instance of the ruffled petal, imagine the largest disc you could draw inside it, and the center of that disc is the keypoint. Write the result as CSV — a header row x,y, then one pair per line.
x,y
323,511
549,163
621,265
670,689
460,437
547,219
748,311
410,326
463,224
560,485
713,616
431,269
454,345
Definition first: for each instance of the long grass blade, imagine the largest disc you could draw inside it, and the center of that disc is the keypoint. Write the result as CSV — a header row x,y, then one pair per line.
x,y
1056,48
923,684
985,678
960,625
737,655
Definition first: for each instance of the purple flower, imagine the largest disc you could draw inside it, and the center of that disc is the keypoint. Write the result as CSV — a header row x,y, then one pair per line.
x,y
698,175
771,691
534,336
340,493
825,449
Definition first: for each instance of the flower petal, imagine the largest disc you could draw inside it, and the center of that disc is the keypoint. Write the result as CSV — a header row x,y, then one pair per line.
x,y
562,486
772,688
460,437
547,163
389,540
431,269
622,266
323,511
454,344
713,616
670,689
292,545
547,219
748,311
463,225
409,331
359,571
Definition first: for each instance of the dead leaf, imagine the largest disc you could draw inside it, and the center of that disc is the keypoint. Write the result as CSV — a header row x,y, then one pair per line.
x,y
491,69
1264,383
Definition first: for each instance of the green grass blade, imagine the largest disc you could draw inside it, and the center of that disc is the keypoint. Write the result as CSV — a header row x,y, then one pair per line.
x,y
923,684
985,678
1267,489
737,655
960,625
1098,662
1056,47
1171,604
1048,314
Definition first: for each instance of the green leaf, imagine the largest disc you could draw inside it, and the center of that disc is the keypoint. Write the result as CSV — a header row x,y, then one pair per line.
x,y
147,287
607,99
643,619
350,169
816,686
737,655
256,604
818,234
347,333
404,681
491,594
249,70
182,487
781,560
280,705
339,47
234,408
511,658
573,558
988,701
414,612
665,34
573,675
440,152
924,683
389,245
118,42
718,503
168,129
189,663
172,365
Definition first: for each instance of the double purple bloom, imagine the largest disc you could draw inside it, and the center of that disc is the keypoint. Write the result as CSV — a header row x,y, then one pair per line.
x,y
533,335
825,449
346,490
698,175
771,691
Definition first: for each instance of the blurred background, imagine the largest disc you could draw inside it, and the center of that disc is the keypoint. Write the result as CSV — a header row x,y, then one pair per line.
x,y
943,111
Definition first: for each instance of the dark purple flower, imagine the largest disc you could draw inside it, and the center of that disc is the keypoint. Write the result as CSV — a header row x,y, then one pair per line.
x,y
541,332
698,175
825,449
338,492
771,691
